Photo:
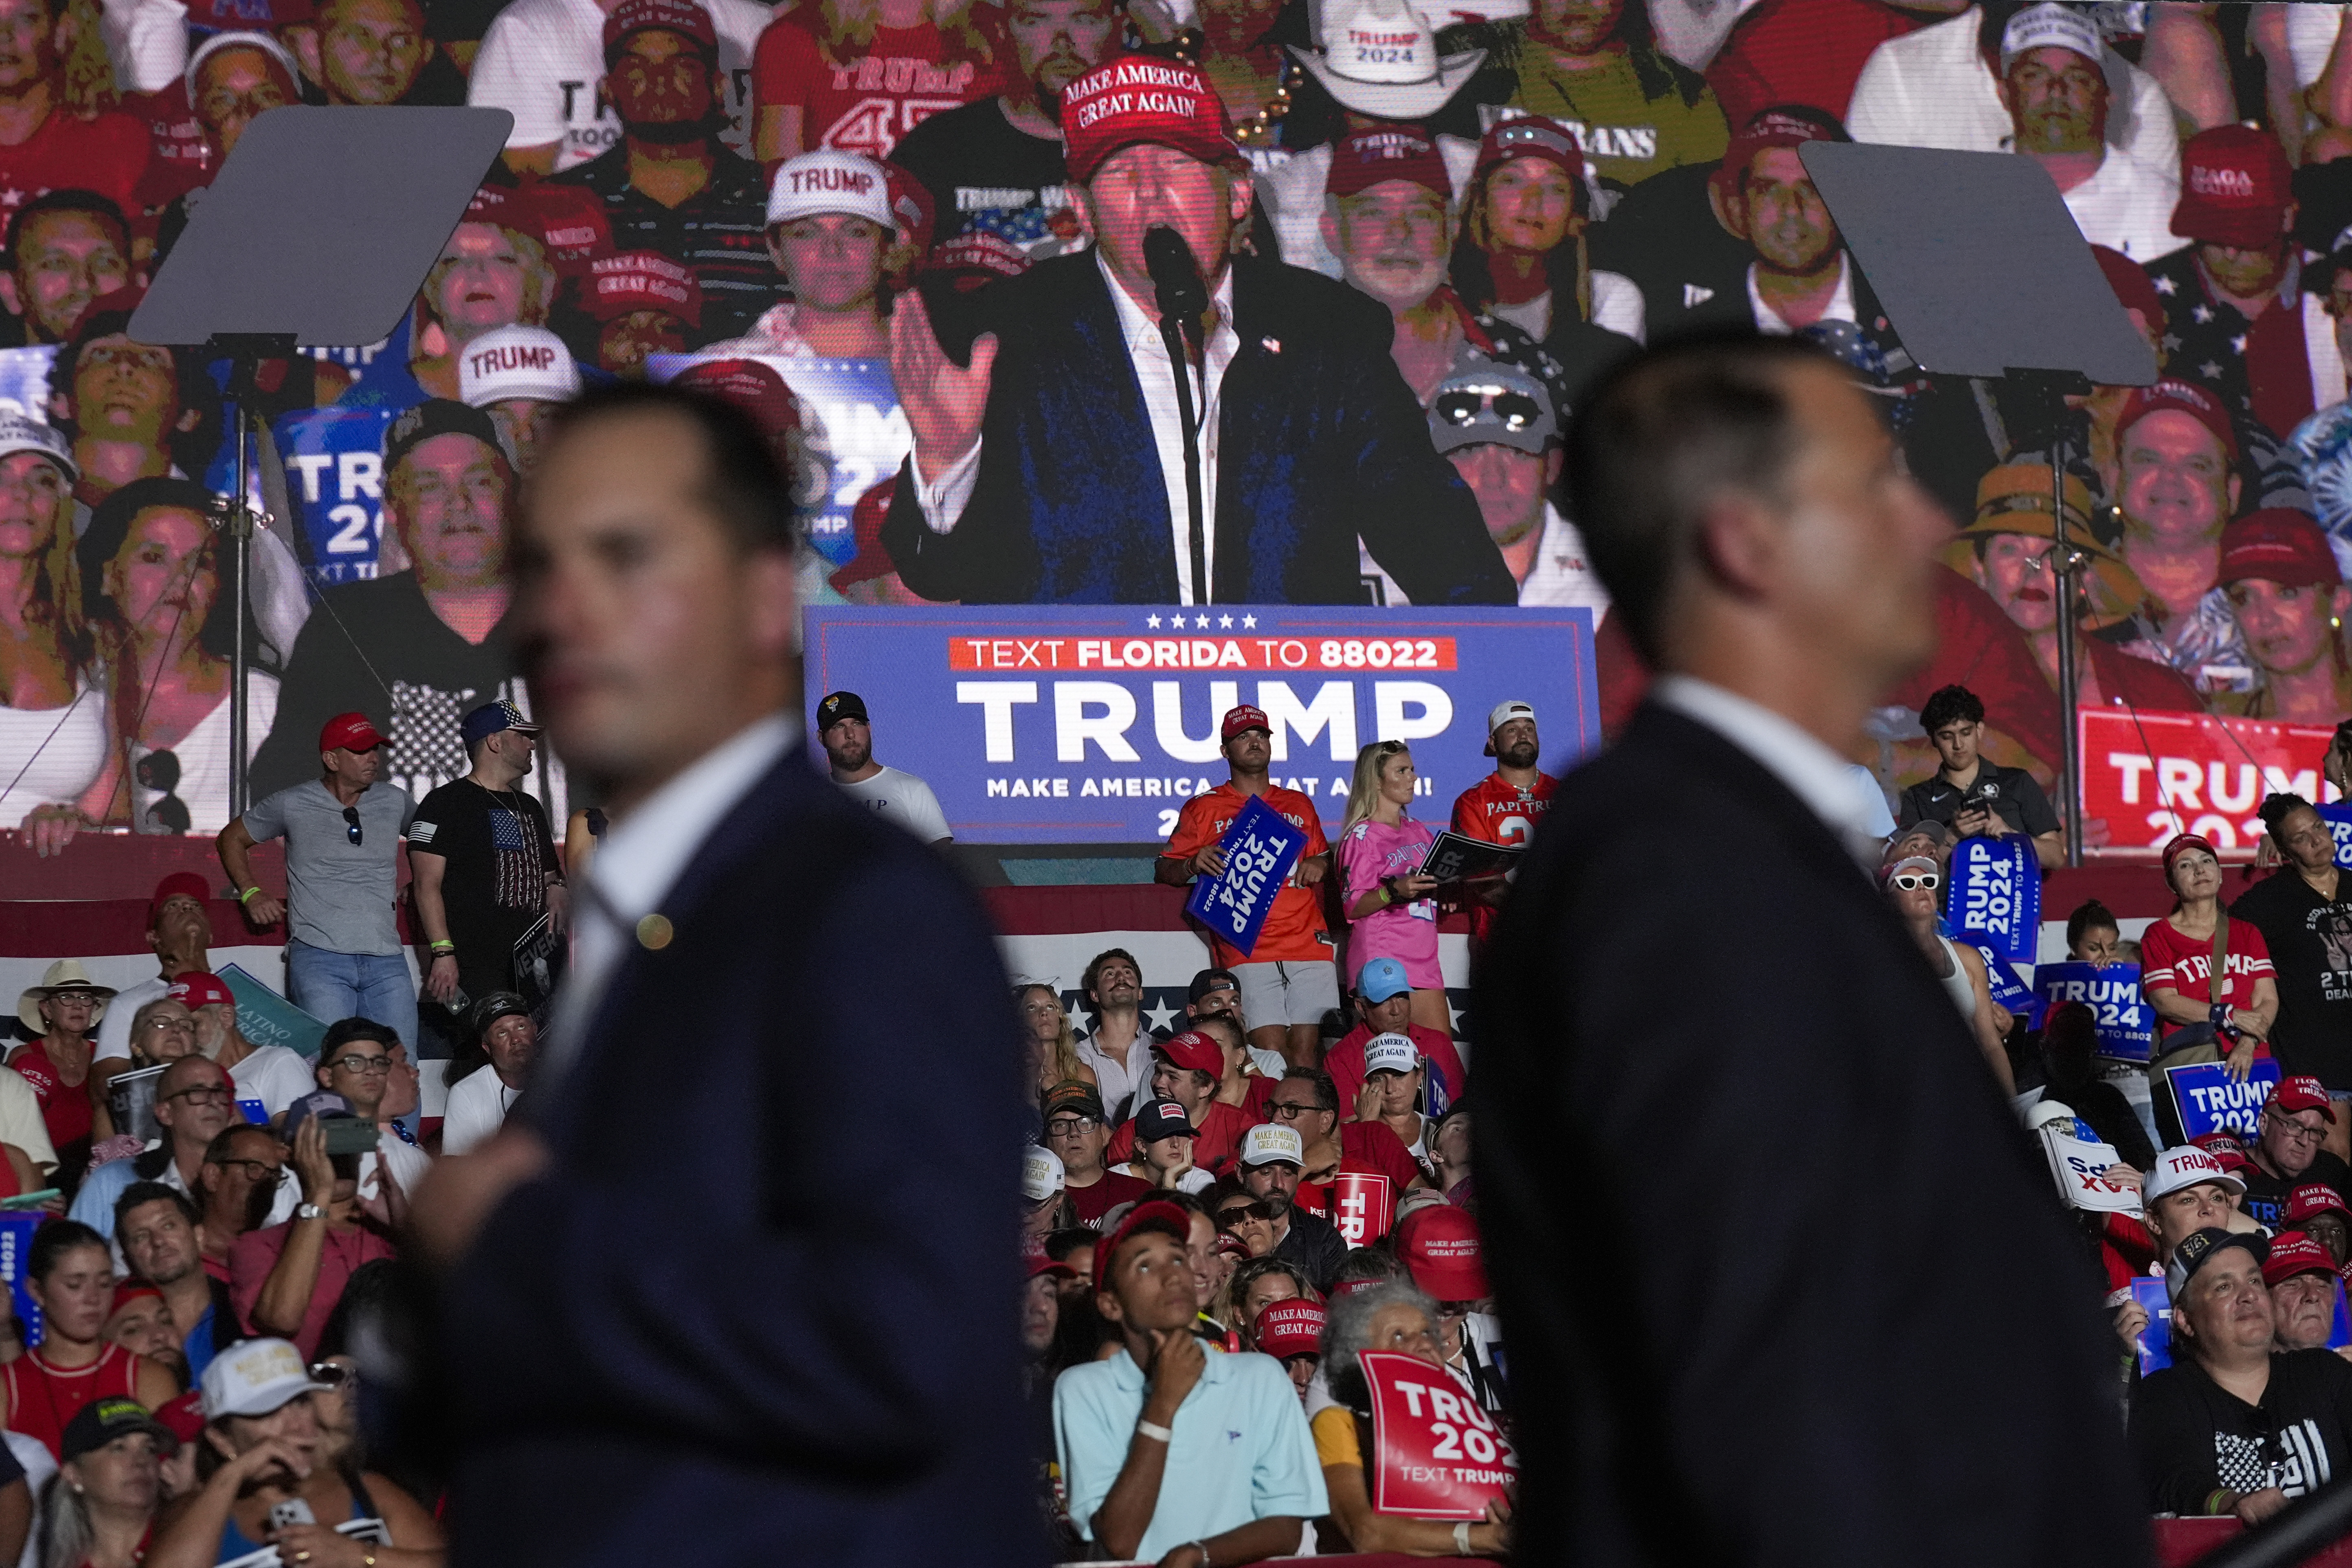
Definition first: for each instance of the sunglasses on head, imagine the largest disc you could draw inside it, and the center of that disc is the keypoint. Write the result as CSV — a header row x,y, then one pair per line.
x,y
1461,408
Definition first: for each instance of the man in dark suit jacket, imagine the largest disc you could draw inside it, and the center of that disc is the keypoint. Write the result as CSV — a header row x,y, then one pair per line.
x,y
1038,473
1828,1308
697,1294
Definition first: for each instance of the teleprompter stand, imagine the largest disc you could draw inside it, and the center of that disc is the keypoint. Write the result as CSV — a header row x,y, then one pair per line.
x,y
319,232
1982,273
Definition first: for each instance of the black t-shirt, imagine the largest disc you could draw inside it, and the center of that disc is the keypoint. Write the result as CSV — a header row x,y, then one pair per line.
x,y
2310,939
2266,1196
983,174
2011,794
498,853
2192,1436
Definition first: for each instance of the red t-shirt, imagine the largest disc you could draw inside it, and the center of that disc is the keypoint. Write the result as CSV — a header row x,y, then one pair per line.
x,y
65,1109
871,99
1219,1140
2182,963
106,154
1494,811
1344,1063
1115,1188
256,1252
1800,51
1294,932
1369,1149
42,1398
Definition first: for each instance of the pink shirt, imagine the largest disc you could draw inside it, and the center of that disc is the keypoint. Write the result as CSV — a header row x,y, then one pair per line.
x,y
1368,852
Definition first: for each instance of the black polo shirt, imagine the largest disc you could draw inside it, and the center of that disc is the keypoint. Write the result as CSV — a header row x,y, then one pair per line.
x,y
2011,794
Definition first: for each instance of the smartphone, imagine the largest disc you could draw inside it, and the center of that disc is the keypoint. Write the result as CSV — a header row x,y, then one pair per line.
x,y
293,1510
349,1135
29,1200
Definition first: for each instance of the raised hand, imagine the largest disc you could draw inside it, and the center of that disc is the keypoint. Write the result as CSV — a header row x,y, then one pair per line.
x,y
944,401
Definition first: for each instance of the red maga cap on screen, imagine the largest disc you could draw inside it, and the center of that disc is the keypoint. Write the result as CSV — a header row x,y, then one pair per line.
x,y
1245,718
2295,1253
1786,125
1140,98
1290,1328
2235,187
2177,397
2278,544
1375,157
197,988
2134,289
753,387
2303,1094
2314,1198
1438,1244
178,885
684,17
640,280
1529,138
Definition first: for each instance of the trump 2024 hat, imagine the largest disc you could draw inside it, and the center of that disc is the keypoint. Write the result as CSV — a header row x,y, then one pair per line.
x,y
2185,1167
829,182
1140,98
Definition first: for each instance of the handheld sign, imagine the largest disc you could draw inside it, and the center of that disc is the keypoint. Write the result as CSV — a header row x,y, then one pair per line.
x,y
1362,1206
2155,1342
1260,850
2000,975
16,1250
266,1018
2080,1167
2210,1102
1453,857
130,1096
539,955
1997,890
2125,1023
2337,815
1436,1455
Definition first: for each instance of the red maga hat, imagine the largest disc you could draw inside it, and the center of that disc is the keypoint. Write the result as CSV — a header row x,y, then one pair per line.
x,y
178,885
1154,1214
349,733
2278,544
194,988
2312,1199
1290,1328
1141,97
2303,1094
1438,1244
684,17
1245,718
1195,1051
2294,1252
2235,188
2177,397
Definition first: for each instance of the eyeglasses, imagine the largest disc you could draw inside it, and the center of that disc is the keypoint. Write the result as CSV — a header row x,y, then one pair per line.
x,y
2301,1132
358,1063
1911,881
1291,1109
254,1170
160,771
1070,1126
169,1023
75,998
352,823
202,1094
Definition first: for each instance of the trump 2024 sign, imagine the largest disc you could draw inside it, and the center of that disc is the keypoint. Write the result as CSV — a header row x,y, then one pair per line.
x,y
1069,725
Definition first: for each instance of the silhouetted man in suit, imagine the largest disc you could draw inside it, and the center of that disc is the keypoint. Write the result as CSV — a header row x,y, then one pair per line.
x,y
1730,1025
692,1299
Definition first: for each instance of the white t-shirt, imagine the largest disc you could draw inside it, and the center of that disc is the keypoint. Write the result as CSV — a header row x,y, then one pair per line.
x,y
904,801
408,1165
274,1076
543,62
114,1029
21,1122
2128,206
478,1107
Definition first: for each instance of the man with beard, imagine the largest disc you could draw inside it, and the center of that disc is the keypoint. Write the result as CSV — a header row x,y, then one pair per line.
x,y
2055,90
671,185
900,798
45,144
375,52
1505,807
157,1228
64,249
483,868
415,649
994,167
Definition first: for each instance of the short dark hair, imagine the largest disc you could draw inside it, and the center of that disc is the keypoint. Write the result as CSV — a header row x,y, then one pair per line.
x,y
1327,1093
138,1193
1664,433
1093,968
191,449
343,1031
2277,808
745,487
223,1148
1060,1244
109,525
1951,705
54,1240
65,201
2086,915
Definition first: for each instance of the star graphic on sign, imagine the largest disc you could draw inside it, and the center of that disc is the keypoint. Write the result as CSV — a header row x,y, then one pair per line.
x,y
1225,622
1151,621
2238,343
1159,1017
2166,286
2171,342
1249,621
2200,314
1454,1016
1201,621
2210,370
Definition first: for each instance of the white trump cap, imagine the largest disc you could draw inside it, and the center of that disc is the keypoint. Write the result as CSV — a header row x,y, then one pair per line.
x,y
831,183
517,363
2185,1167
1041,1173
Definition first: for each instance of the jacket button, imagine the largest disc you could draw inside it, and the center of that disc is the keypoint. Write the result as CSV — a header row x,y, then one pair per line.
x,y
655,931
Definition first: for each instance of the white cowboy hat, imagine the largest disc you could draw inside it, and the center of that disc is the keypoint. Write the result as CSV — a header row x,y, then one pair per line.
x,y
1380,57
65,975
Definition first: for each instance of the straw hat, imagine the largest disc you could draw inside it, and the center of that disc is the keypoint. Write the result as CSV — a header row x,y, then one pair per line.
x,y
65,975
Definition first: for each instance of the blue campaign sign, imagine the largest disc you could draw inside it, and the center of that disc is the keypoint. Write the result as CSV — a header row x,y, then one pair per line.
x,y
1260,850
2000,975
2156,1339
2127,1024
1093,724
24,380
2208,1101
16,1246
334,479
2338,818
1997,890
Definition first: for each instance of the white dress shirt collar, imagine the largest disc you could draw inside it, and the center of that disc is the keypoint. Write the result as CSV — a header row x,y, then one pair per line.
x,y
1772,324
1813,772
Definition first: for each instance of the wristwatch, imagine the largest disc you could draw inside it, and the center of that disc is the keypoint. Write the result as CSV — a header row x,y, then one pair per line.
x,y
308,1211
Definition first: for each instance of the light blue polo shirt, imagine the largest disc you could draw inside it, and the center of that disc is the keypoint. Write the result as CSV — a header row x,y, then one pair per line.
x,y
1242,1450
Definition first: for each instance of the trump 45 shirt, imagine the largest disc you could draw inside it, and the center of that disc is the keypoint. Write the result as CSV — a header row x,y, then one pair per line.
x,y
1293,931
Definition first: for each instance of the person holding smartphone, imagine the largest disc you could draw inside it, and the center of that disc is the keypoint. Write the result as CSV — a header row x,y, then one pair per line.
x,y
1970,794
285,1279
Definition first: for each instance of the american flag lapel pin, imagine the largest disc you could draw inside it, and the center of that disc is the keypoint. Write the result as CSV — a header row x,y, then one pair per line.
x,y
1271,345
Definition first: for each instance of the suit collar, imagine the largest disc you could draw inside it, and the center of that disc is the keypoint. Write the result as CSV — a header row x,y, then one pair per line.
x,y
1701,751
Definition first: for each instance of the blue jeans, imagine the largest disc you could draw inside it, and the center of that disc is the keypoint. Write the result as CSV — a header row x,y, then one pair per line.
x,y
332,985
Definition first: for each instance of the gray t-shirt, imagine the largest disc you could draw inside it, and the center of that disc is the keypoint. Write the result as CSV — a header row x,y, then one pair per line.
x,y
339,894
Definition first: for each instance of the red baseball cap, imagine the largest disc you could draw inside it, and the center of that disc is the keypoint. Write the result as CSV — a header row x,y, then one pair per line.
x,y
572,222
873,558
1195,1050
2228,1151
1529,138
185,1415
2314,1198
2178,397
200,988
2295,1253
129,1289
1784,125
1141,97
2235,187
1290,1328
178,885
2180,843
1033,1253
349,733
641,281
2303,1094
910,205
1438,1244
753,387
977,256
1245,718
1154,1214
2134,289
684,17
2278,544
1387,152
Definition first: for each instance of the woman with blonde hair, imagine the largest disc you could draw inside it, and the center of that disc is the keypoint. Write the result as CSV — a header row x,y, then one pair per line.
x,y
854,75
1387,899
1053,1042
494,271
53,724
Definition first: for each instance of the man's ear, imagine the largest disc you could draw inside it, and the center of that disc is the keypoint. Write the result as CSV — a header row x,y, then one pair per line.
x,y
9,295
304,37
1730,207
1739,544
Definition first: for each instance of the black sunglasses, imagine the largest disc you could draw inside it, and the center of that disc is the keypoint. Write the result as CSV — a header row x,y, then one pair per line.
x,y
160,771
352,823
1515,410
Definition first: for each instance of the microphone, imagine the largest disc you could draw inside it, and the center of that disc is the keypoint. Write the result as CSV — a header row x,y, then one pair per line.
x,y
1183,298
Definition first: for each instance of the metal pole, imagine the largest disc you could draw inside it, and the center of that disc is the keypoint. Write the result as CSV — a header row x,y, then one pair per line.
x,y
2064,566
240,528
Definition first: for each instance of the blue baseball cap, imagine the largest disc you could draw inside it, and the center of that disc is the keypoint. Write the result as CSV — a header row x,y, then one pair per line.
x,y
491,718
1381,979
